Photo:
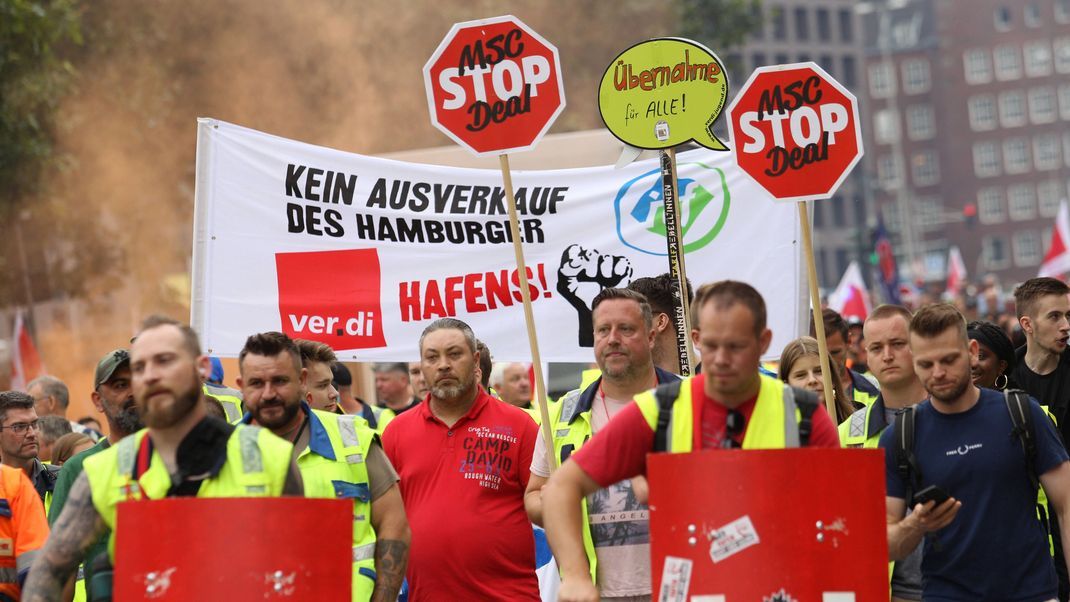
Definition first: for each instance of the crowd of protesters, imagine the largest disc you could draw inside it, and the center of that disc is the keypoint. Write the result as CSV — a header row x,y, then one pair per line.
x,y
451,479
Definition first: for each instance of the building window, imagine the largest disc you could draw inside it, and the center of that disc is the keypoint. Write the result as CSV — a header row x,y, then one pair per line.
x,y
1064,102
1046,152
850,78
1003,18
780,23
1048,197
802,24
1037,58
1022,199
827,64
978,66
986,160
892,217
1066,148
819,215
758,59
925,168
886,126
1062,11
1062,54
781,59
1026,248
1032,15
920,122
1042,105
1008,62
982,112
916,77
994,252
803,57
759,22
839,215
824,25
847,25
990,205
889,172
881,80
1016,156
1012,108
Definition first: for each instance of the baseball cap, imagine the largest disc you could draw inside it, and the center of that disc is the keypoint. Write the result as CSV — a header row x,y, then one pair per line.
x,y
109,364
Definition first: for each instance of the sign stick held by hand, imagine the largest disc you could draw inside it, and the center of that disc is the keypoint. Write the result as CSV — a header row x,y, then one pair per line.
x,y
480,109
794,165
529,317
682,319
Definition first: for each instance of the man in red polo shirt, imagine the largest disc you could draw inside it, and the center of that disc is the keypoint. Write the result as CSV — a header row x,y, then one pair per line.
x,y
463,460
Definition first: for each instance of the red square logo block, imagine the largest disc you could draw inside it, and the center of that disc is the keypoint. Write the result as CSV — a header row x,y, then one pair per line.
x,y
331,297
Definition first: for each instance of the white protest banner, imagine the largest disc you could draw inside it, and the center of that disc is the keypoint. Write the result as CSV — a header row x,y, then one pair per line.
x,y
362,253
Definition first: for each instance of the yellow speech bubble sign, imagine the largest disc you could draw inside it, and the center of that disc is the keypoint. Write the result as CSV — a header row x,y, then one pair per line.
x,y
664,92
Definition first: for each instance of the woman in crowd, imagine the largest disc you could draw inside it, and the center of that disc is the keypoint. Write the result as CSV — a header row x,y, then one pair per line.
x,y
68,445
995,357
800,366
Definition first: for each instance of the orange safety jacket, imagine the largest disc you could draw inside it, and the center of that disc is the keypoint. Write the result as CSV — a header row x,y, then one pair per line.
x,y
23,529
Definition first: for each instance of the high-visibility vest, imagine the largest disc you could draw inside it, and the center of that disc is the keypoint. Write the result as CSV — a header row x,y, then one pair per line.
x,y
774,423
23,528
571,417
864,426
332,466
230,398
256,466
863,391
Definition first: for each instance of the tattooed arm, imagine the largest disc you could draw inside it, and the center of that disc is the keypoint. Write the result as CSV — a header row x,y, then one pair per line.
x,y
392,544
78,527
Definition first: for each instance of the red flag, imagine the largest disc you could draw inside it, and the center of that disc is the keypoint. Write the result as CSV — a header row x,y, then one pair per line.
x,y
1057,262
851,299
25,362
956,272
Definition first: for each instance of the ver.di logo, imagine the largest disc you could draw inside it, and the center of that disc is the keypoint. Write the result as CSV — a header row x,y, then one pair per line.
x,y
704,202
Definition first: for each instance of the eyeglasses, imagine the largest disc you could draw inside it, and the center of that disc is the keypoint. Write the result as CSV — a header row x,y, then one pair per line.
x,y
733,428
20,428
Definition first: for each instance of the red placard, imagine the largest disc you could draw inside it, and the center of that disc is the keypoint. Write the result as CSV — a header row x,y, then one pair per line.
x,y
234,549
795,131
494,85
802,525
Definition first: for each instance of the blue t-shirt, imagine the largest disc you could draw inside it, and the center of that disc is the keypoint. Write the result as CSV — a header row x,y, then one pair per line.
x,y
995,549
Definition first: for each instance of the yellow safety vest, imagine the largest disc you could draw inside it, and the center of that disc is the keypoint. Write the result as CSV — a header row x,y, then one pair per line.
x,y
774,424
571,417
256,466
230,398
332,466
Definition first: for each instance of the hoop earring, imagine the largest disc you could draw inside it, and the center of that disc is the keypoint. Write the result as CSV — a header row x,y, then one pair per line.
x,y
1005,381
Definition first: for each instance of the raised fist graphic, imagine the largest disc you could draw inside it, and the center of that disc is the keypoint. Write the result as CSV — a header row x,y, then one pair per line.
x,y
582,275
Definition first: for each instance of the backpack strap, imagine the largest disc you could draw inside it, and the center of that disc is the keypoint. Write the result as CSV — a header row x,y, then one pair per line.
x,y
666,395
1018,406
906,463
807,403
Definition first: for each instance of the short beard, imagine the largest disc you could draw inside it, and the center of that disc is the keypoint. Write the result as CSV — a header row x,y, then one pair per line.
x,y
125,419
288,413
455,392
955,394
184,403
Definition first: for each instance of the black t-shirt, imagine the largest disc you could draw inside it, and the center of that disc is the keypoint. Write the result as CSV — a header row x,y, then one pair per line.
x,y
1051,390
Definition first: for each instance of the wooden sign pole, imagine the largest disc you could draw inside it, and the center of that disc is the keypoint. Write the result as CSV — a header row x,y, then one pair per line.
x,y
529,316
815,302
674,248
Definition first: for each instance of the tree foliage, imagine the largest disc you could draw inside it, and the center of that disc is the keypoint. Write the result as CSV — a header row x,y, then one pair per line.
x,y
33,78
719,24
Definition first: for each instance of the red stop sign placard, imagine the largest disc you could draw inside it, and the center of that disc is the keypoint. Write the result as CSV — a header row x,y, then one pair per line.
x,y
494,85
795,131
